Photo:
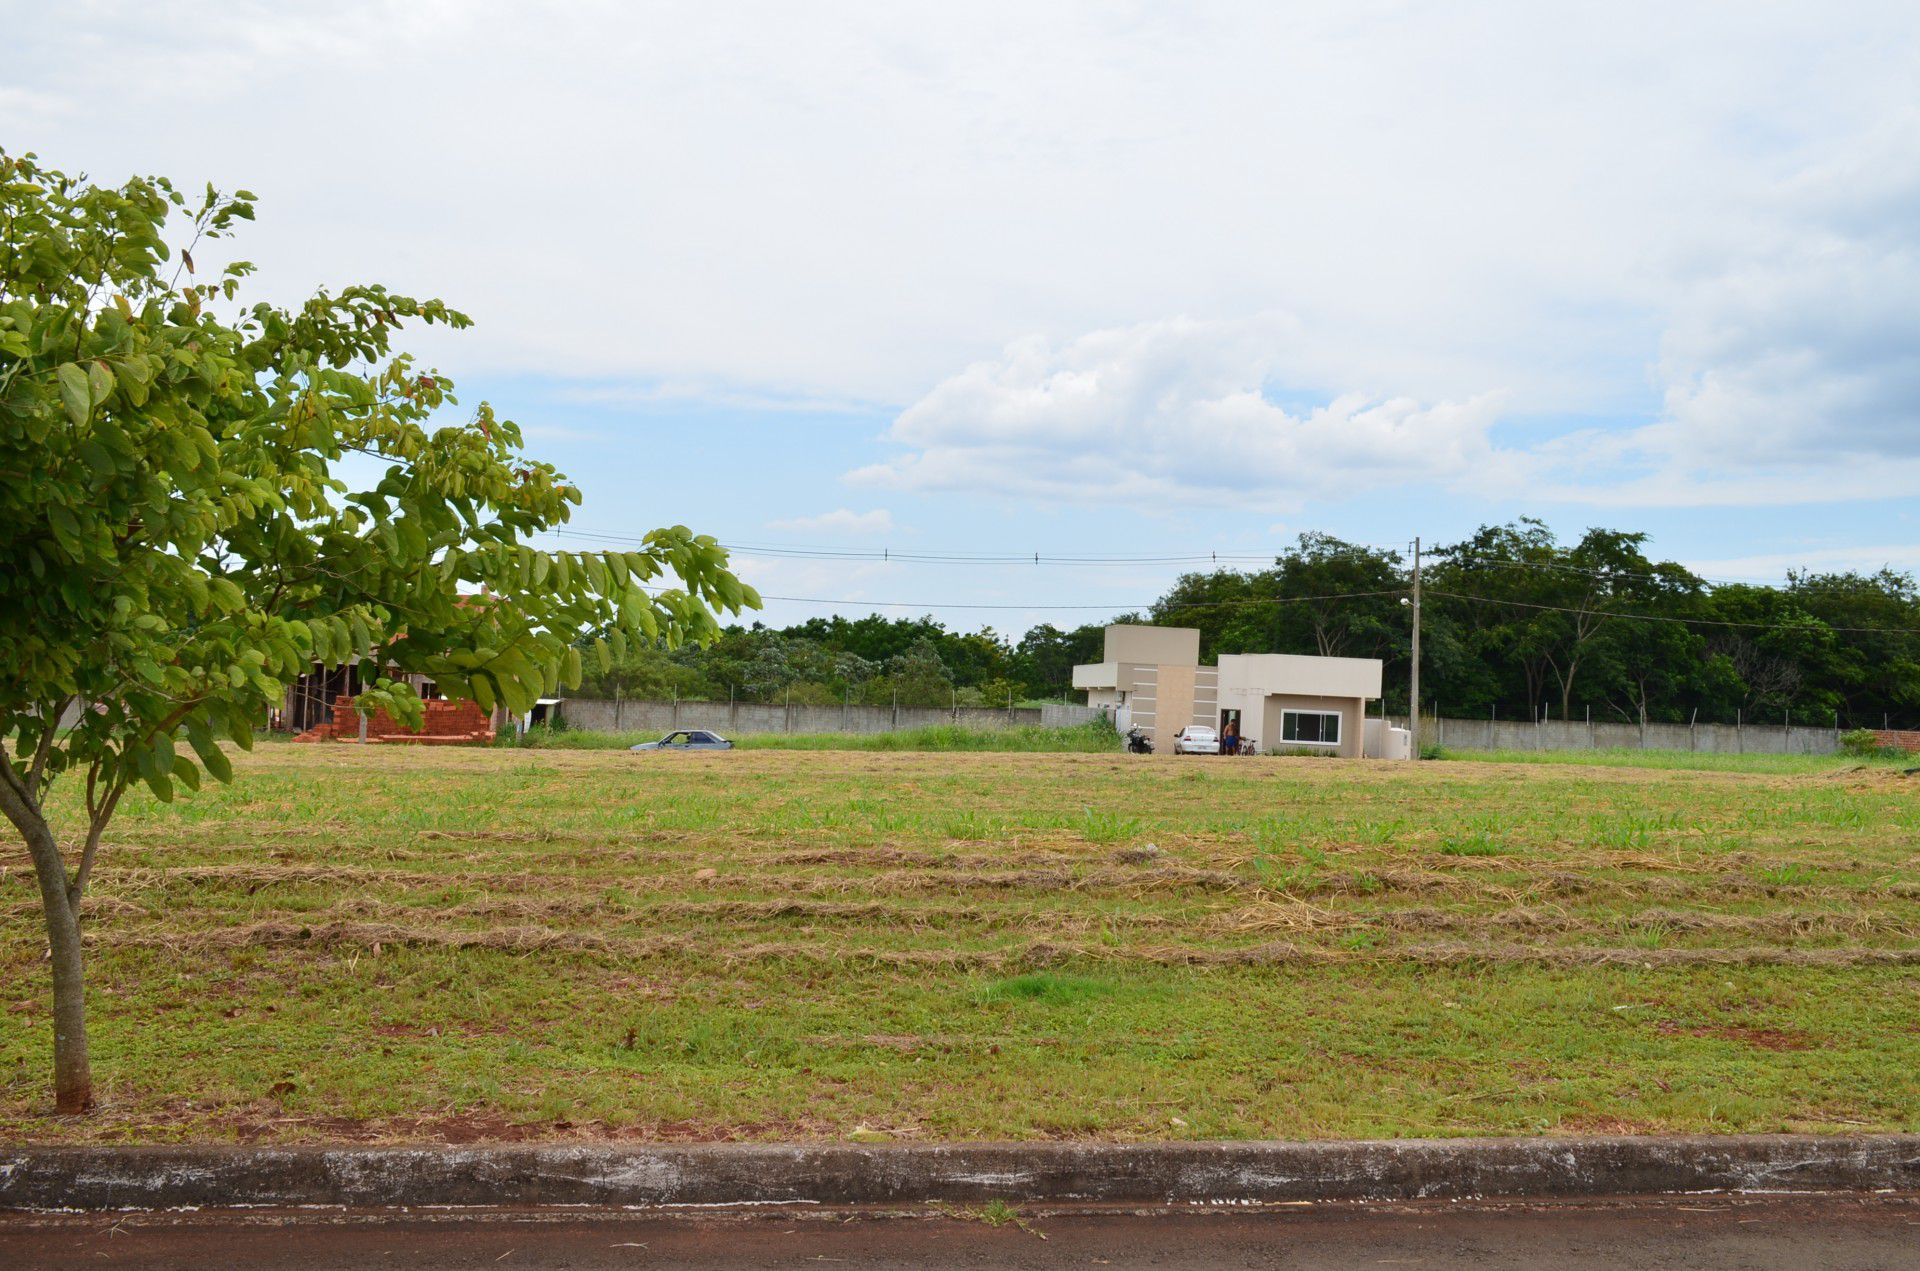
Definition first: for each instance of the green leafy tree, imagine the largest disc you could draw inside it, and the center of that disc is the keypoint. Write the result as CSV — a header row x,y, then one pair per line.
x,y
917,677
178,543
1045,657
1368,623
1872,669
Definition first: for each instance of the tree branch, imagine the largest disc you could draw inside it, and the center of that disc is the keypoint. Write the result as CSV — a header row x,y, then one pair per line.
x,y
99,814
96,826
37,769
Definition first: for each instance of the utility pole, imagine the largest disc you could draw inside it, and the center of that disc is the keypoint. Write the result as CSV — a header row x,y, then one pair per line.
x,y
1413,718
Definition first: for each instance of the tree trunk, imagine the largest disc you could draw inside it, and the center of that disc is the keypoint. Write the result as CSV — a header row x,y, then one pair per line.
x,y
72,1074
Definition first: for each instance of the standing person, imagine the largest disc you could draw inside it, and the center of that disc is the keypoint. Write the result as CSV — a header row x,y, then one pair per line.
x,y
1230,736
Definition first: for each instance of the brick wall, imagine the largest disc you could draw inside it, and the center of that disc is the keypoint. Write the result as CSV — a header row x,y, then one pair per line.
x,y
445,724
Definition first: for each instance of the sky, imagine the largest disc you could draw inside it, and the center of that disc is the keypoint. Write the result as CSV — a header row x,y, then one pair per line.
x,y
1090,280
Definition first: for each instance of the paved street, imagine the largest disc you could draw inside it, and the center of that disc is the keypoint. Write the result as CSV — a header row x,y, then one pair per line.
x,y
1828,1232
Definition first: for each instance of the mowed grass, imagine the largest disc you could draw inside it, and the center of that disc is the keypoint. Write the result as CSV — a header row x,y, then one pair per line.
x,y
1692,761
386,943
1094,738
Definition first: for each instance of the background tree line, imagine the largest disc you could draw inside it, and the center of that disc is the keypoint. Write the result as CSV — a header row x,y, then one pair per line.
x,y
1516,624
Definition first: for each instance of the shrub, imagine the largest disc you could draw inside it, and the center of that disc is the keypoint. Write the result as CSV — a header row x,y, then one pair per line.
x,y
1863,743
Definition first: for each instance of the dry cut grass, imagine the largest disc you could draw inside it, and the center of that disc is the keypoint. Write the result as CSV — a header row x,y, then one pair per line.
x,y
378,944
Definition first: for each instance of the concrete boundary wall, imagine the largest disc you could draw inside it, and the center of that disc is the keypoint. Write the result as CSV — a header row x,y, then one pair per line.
x,y
604,715
607,715
107,1178
1555,734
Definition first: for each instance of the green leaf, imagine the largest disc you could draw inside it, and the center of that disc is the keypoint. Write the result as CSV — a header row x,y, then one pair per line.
x,y
99,381
66,528
211,756
75,393
185,773
242,733
228,594
98,458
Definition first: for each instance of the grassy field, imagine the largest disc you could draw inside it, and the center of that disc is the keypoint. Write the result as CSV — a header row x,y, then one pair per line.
x,y
1094,738
1695,761
367,944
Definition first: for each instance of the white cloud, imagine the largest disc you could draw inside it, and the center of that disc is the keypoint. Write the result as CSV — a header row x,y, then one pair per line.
x,y
1652,212
1790,363
1772,567
1175,411
838,521
1788,372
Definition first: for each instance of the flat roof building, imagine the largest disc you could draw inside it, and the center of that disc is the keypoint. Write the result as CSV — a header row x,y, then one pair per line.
x,y
1150,678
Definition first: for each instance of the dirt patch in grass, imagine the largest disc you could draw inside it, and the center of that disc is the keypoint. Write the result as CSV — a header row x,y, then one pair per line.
x,y
1776,1039
487,946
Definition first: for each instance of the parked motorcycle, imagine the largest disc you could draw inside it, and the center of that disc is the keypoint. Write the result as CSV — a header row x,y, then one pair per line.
x,y
1137,743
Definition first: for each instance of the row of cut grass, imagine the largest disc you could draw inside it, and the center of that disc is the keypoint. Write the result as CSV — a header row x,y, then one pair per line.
x,y
388,943
1091,738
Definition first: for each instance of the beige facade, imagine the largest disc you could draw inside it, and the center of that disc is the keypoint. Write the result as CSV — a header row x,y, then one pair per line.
x,y
1265,687
1280,702
1151,679
1271,734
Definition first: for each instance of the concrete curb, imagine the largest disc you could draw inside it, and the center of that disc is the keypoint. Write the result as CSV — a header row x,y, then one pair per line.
x,y
97,1178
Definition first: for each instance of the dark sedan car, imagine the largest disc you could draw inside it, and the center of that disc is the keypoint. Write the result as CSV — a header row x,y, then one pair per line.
x,y
687,739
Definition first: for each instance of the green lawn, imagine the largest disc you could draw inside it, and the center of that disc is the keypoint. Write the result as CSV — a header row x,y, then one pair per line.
x,y
1692,761
387,943
1096,737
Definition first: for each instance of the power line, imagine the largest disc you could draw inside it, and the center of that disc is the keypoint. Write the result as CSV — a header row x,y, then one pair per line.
x,y
1247,602
1789,585
1814,625
1356,551
953,558
1107,608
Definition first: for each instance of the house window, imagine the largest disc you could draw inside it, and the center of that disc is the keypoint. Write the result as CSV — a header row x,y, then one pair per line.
x,y
1310,728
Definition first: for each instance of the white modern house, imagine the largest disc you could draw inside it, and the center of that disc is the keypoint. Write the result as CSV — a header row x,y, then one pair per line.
x,y
1150,678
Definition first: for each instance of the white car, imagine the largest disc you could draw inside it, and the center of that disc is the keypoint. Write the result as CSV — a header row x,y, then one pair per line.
x,y
1196,740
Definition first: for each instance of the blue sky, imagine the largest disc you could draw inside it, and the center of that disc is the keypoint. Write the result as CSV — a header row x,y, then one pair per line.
x,y
1095,278
756,475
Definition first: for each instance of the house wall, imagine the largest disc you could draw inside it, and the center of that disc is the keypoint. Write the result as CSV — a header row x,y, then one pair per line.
x,y
1206,697
1352,710
1152,646
1174,710
1165,699
1310,676
1143,698
1155,675
1094,675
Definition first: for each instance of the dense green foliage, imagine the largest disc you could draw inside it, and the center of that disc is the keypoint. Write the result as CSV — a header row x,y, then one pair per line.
x,y
872,660
181,539
1516,624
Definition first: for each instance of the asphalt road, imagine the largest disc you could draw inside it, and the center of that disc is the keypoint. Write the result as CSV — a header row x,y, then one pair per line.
x,y
1784,1232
